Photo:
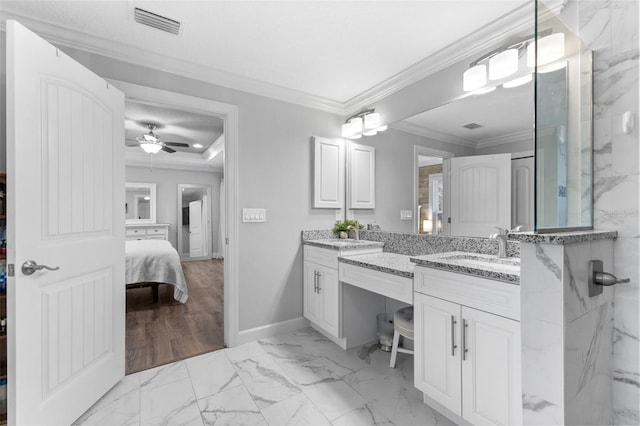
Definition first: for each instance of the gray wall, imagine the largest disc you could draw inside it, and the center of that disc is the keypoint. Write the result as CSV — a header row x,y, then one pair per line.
x,y
167,181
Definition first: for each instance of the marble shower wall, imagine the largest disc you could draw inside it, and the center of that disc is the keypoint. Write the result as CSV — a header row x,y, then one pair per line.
x,y
610,28
567,340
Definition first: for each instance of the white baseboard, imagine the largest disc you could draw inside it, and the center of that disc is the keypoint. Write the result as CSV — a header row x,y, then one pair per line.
x,y
270,330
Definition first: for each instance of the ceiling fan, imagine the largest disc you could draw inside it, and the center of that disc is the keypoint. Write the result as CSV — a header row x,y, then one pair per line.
x,y
151,143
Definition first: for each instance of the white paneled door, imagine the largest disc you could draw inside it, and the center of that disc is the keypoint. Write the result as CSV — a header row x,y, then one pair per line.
x,y
195,229
65,175
480,194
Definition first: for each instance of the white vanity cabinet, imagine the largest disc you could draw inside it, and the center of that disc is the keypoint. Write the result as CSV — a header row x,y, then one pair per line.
x,y
361,176
467,346
328,173
322,292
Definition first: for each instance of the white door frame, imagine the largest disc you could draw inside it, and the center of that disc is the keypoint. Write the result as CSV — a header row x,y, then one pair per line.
x,y
207,219
229,113
428,152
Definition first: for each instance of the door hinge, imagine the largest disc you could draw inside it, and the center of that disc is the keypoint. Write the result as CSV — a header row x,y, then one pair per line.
x,y
226,241
10,271
448,220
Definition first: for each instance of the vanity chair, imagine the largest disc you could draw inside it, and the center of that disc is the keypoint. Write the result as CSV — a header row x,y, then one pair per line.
x,y
402,326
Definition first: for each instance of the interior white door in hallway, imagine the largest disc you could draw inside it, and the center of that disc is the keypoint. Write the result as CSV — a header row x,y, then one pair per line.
x,y
65,173
480,194
195,229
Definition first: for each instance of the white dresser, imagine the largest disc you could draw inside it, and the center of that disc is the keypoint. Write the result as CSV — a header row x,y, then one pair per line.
x,y
147,231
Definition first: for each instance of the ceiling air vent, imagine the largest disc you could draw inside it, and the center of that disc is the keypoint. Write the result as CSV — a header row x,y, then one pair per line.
x,y
472,126
154,20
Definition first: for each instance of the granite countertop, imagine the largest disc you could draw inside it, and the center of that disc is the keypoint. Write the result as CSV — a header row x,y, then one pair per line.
x,y
392,263
562,238
476,264
340,244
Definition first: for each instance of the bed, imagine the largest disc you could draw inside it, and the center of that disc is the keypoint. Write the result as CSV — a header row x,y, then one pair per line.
x,y
152,262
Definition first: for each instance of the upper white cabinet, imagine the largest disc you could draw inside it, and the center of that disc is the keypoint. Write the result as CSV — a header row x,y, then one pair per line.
x,y
361,176
328,180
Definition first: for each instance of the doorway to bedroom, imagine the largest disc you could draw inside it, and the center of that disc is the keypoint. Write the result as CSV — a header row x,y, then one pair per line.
x,y
190,204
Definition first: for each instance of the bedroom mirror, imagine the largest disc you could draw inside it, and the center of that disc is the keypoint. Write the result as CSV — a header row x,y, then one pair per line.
x,y
140,202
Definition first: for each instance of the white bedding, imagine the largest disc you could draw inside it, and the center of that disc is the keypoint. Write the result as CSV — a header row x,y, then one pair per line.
x,y
155,261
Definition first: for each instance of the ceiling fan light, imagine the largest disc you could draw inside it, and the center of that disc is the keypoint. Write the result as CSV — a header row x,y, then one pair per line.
x,y
474,78
520,81
151,148
503,64
197,145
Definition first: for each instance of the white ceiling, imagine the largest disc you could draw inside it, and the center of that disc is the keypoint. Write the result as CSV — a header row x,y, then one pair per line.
x,y
331,50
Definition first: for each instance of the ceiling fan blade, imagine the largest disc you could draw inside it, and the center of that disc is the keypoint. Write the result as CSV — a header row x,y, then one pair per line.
x,y
167,149
180,144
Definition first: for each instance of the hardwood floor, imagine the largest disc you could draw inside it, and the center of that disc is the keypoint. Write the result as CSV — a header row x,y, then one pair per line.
x,y
167,331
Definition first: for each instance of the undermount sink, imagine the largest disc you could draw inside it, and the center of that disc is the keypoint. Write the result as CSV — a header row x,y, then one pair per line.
x,y
511,261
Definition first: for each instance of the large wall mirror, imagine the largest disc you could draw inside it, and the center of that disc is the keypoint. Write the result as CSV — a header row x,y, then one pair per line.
x,y
140,203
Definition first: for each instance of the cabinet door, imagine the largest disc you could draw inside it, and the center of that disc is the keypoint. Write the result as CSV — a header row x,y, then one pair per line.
x,y
328,178
491,386
329,299
311,301
437,350
361,172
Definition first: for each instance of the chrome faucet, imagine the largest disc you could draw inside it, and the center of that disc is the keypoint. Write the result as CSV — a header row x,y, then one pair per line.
x,y
356,231
501,237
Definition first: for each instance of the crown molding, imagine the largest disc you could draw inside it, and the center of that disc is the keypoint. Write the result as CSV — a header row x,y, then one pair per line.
x,y
476,43
433,134
523,135
61,36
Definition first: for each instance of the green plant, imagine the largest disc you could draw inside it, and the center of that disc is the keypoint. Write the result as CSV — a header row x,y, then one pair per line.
x,y
346,226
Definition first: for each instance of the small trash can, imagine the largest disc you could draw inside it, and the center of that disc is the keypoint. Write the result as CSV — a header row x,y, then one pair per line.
x,y
385,331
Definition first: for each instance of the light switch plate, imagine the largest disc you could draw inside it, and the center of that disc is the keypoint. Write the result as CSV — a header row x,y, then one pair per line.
x,y
254,215
406,214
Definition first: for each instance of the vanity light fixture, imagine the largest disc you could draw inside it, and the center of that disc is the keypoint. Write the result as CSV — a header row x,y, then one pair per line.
x,y
365,123
505,61
151,148
503,64
552,67
550,48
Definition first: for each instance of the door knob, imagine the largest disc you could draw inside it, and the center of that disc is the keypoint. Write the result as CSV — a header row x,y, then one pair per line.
x,y
30,266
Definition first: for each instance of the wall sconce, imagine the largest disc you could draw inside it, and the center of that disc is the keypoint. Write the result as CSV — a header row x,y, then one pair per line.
x,y
504,62
365,123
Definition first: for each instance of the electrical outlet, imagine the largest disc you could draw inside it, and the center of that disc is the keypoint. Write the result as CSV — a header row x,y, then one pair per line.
x,y
254,215
406,214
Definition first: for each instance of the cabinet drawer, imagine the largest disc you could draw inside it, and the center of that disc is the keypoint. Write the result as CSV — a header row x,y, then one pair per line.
x,y
136,231
486,295
156,231
156,237
389,285
326,257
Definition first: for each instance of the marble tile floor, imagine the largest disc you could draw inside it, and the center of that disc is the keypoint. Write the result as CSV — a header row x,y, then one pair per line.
x,y
300,378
